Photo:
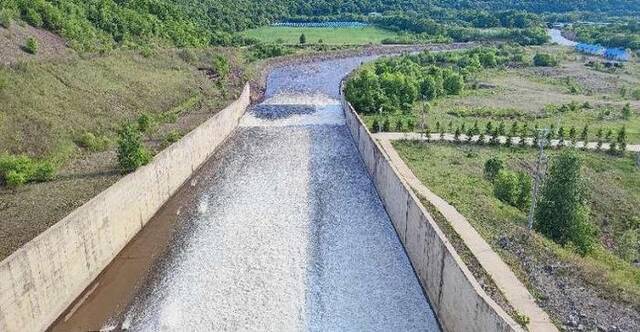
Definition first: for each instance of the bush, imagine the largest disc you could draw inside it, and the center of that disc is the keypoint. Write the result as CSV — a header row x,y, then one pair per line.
x,y
131,153
221,66
506,187
562,212
386,125
43,172
172,137
31,45
523,201
303,39
492,167
145,123
544,60
4,80
94,143
626,111
375,127
629,245
15,179
636,94
16,170
453,84
6,17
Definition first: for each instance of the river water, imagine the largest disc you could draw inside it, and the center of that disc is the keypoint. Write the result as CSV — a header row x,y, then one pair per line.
x,y
281,230
556,37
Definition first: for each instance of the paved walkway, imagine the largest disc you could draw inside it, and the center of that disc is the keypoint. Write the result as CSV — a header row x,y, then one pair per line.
x,y
502,139
514,291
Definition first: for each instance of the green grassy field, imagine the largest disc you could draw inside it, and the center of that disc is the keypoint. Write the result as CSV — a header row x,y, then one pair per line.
x,y
455,172
534,94
330,36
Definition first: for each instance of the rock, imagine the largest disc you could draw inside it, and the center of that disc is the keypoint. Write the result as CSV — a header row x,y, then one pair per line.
x,y
503,242
613,328
580,327
573,321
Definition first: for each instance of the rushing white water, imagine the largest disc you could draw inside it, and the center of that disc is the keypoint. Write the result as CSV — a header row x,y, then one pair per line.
x,y
285,231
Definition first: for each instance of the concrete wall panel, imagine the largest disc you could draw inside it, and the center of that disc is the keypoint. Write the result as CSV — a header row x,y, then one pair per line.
x,y
42,278
457,298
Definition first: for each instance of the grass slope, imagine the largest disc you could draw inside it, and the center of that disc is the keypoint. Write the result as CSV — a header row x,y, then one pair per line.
x,y
331,36
455,172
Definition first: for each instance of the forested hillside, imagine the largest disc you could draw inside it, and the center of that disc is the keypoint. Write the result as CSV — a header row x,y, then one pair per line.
x,y
94,25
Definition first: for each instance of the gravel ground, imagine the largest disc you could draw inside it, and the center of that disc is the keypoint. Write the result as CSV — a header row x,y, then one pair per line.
x,y
284,230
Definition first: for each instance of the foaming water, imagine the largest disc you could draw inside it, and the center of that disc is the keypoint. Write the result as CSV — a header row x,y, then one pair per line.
x,y
282,230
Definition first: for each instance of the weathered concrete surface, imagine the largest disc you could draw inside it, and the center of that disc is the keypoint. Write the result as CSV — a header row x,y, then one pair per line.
x,y
459,301
514,291
41,279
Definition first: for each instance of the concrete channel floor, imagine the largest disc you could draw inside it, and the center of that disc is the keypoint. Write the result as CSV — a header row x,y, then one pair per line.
x,y
281,230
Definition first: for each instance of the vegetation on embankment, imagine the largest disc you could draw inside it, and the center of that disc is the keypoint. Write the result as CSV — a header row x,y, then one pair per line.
x,y
572,94
563,281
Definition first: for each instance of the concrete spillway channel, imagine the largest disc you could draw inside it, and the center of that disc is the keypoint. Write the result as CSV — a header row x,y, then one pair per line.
x,y
281,230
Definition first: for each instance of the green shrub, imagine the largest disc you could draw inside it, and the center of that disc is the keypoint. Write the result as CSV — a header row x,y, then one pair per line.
x,y
492,167
6,17
32,17
375,126
16,170
303,39
562,213
626,111
42,172
523,201
386,125
629,245
636,94
15,179
172,137
544,60
94,143
31,45
453,84
221,66
506,187
131,152
521,318
145,123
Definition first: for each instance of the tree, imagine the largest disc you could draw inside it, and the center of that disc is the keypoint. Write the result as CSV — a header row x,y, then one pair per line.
x,y
131,153
626,111
453,83
428,88
523,201
364,93
562,213
303,39
492,167
505,187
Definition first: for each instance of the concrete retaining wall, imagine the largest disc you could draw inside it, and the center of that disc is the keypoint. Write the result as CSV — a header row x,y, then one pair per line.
x,y
458,300
42,278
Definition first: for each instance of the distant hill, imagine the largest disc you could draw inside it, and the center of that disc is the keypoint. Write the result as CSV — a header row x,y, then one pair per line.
x,y
95,25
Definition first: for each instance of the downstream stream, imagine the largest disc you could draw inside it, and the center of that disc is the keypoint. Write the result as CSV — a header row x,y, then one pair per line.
x,y
281,230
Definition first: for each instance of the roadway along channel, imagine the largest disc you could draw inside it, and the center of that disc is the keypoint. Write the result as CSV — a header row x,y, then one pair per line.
x,y
282,229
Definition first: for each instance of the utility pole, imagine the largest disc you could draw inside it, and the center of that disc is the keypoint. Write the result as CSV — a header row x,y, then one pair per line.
x,y
380,122
540,165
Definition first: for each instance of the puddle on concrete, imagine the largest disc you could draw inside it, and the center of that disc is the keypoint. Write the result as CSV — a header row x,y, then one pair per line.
x,y
281,229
